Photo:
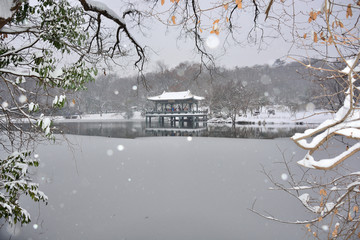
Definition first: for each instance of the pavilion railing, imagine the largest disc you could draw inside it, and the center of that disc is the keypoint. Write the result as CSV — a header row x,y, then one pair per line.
x,y
175,111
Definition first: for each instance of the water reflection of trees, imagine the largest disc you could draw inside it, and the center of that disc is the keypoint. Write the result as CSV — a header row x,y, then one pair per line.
x,y
105,129
246,131
225,130
138,129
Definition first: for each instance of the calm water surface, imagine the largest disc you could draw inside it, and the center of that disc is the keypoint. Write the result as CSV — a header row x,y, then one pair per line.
x,y
111,186
140,129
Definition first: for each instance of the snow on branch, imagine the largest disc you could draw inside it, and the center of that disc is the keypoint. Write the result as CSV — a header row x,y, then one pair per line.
x,y
305,199
347,129
99,7
351,65
19,29
326,164
104,10
345,123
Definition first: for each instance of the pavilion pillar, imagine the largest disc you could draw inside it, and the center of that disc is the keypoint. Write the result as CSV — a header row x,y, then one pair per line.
x,y
148,121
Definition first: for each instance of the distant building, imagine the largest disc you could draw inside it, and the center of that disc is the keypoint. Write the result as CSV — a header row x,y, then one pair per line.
x,y
177,106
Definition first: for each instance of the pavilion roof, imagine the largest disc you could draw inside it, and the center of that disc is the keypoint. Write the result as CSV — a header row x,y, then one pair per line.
x,y
185,95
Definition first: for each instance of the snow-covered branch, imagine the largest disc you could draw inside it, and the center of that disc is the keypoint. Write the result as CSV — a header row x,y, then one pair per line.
x,y
345,123
103,10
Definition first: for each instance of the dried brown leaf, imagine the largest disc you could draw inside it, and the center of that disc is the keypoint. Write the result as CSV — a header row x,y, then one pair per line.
x,y
315,37
356,208
349,11
239,4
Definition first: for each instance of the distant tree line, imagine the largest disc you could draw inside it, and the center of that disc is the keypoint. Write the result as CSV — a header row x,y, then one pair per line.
x,y
226,91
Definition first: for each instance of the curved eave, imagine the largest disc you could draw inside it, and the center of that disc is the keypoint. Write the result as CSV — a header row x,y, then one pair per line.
x,y
198,98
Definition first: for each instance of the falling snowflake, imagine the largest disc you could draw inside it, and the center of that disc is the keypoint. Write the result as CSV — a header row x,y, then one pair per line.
x,y
310,107
5,104
325,228
109,152
22,99
265,79
134,88
212,41
189,138
35,226
120,147
284,176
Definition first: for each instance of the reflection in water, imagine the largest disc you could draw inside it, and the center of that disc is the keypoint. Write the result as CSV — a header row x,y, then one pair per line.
x,y
104,129
160,188
140,129
253,131
185,128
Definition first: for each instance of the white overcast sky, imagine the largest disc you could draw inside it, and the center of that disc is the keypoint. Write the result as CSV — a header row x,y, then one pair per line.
x,y
166,48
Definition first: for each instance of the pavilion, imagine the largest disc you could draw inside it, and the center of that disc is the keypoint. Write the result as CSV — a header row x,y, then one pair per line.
x,y
176,106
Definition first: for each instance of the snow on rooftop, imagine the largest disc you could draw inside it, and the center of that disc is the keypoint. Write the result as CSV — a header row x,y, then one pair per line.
x,y
176,96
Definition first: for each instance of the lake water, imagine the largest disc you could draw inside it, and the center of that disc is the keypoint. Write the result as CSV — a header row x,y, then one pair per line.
x,y
140,129
161,188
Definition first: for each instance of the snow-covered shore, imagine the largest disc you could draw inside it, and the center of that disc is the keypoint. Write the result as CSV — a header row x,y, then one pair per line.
x,y
279,118
99,117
